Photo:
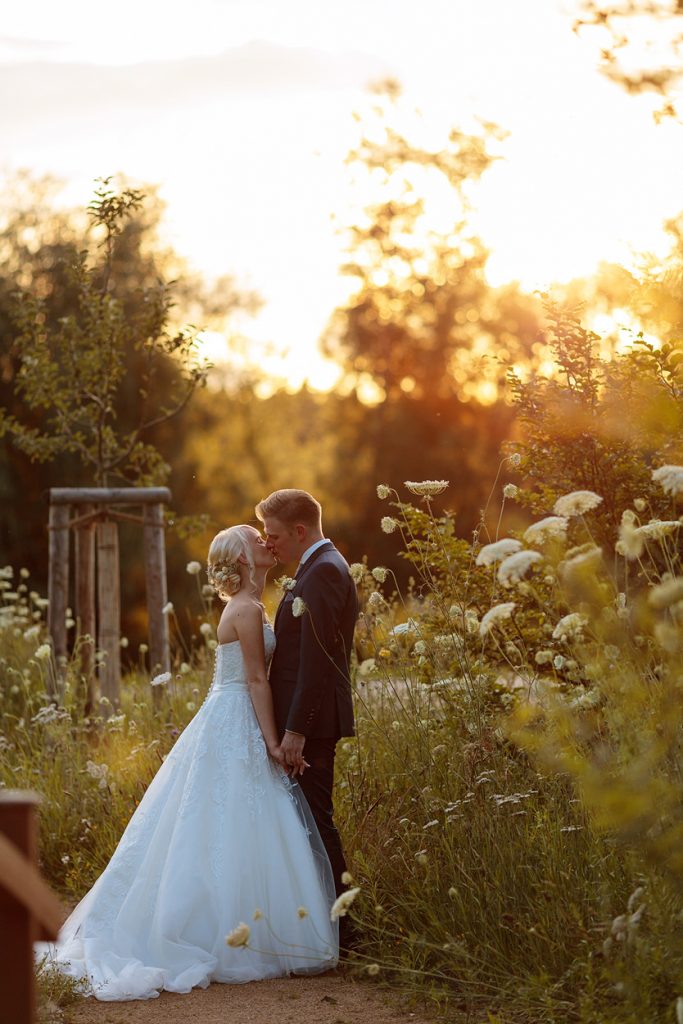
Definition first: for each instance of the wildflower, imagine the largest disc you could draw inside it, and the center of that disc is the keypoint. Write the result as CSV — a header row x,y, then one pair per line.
x,y
384,653
123,642
212,644
346,878
298,607
193,568
383,491
206,628
663,595
550,528
190,705
570,626
356,571
161,679
639,504
66,858
389,524
184,668
670,478
587,556
43,652
559,662
658,529
373,970
143,648
340,907
168,608
496,615
576,503
510,491
631,543
426,488
32,632
375,602
366,667
516,566
302,912
543,657
208,590
258,914
452,892
100,772
380,573
239,936
492,553
420,647
24,573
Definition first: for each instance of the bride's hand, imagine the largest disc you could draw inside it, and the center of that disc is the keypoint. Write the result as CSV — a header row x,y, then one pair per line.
x,y
277,755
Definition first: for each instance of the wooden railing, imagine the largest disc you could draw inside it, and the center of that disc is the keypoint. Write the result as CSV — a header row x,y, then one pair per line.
x,y
29,910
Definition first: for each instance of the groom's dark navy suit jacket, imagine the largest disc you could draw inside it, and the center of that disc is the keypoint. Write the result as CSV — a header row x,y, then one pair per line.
x,y
309,674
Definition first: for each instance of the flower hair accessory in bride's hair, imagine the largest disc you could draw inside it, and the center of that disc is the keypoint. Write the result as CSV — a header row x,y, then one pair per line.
x,y
224,577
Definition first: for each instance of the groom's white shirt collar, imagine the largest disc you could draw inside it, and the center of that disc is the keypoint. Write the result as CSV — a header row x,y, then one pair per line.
x,y
309,551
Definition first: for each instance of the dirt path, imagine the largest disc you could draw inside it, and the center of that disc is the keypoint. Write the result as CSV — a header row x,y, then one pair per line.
x,y
333,998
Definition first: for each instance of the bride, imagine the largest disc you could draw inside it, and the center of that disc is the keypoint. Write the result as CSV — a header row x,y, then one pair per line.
x,y
222,836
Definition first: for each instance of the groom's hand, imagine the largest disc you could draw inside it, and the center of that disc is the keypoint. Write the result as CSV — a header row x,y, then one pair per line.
x,y
292,747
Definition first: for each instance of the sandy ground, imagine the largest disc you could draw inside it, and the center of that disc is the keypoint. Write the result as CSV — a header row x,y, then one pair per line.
x,y
333,998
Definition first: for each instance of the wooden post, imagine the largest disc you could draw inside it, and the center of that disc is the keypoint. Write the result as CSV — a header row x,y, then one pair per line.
x,y
28,909
58,590
157,594
85,604
109,607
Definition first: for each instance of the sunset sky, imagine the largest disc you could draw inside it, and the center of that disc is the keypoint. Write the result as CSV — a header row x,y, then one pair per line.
x,y
241,111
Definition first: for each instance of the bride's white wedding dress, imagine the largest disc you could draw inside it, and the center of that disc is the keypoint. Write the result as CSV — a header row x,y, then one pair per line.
x,y
220,834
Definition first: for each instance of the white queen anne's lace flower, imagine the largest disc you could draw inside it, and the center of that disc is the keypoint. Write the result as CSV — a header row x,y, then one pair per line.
x,y
356,571
389,524
43,652
576,503
670,479
515,567
380,573
569,626
510,491
550,528
383,491
193,568
341,905
426,488
161,680
492,553
494,616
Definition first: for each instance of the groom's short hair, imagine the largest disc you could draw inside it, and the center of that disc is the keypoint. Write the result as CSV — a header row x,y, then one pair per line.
x,y
291,506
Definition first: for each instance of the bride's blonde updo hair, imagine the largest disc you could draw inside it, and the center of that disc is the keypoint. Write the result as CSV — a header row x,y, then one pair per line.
x,y
224,569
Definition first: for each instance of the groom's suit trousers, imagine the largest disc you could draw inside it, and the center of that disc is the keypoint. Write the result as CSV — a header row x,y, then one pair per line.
x,y
317,783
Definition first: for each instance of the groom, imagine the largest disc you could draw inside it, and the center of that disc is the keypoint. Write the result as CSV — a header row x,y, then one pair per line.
x,y
309,673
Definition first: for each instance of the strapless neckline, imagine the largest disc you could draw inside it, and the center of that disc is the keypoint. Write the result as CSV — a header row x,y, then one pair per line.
x,y
266,625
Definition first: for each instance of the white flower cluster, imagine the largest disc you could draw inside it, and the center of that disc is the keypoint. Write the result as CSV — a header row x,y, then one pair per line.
x,y
50,713
492,553
161,680
548,529
285,583
426,488
341,905
577,503
193,568
570,626
494,616
670,478
356,571
515,567
100,772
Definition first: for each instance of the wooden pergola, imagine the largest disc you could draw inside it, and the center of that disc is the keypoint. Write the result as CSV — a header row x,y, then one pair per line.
x,y
93,513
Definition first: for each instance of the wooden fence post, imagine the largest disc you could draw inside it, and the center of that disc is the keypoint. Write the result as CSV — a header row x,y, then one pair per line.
x,y
157,594
58,590
109,607
28,909
85,603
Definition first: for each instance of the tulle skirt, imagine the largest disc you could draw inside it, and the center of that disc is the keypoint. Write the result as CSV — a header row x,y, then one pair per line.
x,y
221,837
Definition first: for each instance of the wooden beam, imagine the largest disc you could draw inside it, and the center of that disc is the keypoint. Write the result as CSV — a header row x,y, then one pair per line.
x,y
58,590
85,603
24,901
109,609
109,495
157,594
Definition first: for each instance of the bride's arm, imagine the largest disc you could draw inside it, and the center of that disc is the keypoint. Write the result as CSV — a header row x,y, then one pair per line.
x,y
249,628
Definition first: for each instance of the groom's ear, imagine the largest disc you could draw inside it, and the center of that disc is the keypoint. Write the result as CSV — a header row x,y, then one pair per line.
x,y
300,531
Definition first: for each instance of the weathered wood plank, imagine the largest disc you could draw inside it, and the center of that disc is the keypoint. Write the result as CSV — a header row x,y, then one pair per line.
x,y
157,593
85,604
109,613
109,495
58,589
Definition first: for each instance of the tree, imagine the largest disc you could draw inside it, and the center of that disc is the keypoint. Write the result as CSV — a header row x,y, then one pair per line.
x,y
643,46
76,372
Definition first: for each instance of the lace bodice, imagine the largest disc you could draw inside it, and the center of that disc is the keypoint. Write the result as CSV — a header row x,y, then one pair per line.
x,y
229,665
